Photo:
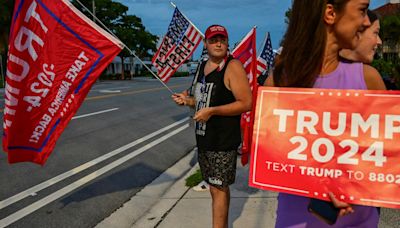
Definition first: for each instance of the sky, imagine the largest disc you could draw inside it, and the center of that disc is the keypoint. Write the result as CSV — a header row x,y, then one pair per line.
x,y
237,16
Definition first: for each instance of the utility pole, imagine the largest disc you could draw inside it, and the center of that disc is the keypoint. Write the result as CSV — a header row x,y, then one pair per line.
x,y
94,11
94,20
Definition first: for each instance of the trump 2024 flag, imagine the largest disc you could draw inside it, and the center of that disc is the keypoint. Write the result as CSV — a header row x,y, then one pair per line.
x,y
55,56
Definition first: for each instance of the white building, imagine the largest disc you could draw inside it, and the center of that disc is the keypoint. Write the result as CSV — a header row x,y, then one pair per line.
x,y
135,67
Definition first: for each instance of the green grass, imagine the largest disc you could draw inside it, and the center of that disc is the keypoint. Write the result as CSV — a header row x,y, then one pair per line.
x,y
194,179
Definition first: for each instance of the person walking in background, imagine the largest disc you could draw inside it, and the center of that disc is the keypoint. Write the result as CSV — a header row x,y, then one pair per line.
x,y
317,31
222,94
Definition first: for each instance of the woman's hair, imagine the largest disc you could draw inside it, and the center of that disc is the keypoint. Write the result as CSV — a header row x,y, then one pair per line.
x,y
304,44
372,16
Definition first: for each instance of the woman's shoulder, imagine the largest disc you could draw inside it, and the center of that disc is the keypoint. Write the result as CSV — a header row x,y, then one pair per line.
x,y
373,78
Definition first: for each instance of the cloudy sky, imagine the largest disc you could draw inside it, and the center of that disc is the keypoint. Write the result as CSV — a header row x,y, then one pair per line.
x,y
237,16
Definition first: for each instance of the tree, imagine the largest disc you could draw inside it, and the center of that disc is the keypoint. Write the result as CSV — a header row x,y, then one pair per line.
x,y
128,28
6,11
390,31
132,32
390,34
288,15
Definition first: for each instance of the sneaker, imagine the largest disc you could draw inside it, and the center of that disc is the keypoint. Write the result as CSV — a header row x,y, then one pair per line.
x,y
239,150
201,187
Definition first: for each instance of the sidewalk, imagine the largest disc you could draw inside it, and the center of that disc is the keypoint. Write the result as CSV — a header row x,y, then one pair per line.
x,y
167,202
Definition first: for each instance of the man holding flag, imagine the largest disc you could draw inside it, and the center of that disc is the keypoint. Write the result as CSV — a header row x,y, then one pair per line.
x,y
222,93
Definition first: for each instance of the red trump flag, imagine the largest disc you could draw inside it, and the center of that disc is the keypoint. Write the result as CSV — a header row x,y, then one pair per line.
x,y
55,55
310,142
245,52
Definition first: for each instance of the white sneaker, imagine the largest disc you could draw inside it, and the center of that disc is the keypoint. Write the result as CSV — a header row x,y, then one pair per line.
x,y
201,187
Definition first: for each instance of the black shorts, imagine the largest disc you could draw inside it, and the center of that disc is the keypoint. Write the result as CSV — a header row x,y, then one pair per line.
x,y
218,168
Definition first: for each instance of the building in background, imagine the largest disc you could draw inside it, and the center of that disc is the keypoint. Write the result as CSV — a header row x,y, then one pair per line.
x,y
134,68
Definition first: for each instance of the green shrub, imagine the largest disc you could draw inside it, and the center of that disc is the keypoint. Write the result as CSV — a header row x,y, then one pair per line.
x,y
181,74
194,179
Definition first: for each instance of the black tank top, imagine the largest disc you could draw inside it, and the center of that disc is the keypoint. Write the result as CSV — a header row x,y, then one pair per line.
x,y
219,133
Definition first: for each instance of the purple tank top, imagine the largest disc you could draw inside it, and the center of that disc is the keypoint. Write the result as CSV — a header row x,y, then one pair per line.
x,y
292,210
346,76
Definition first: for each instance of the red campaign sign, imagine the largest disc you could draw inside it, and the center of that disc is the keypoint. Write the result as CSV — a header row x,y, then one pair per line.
x,y
55,56
310,142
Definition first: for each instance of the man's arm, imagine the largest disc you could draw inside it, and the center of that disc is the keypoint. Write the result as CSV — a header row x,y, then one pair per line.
x,y
235,80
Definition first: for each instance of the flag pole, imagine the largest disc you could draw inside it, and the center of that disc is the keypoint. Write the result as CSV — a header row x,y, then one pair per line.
x,y
234,48
265,41
188,20
145,66
124,45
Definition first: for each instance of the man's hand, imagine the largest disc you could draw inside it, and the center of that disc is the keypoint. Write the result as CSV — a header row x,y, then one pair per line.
x,y
179,98
203,114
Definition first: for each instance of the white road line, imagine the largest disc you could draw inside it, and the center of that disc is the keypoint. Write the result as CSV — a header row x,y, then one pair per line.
x,y
69,188
115,88
94,113
109,91
54,180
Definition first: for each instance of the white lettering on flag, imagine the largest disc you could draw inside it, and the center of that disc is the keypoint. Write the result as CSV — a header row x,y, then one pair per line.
x,y
55,56
177,46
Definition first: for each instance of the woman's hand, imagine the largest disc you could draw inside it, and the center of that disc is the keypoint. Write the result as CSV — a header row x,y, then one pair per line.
x,y
345,208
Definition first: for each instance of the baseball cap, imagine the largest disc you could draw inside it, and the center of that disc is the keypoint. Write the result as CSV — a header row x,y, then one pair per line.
x,y
214,30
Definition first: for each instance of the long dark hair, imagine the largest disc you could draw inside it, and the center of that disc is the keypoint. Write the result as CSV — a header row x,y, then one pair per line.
x,y
304,44
372,16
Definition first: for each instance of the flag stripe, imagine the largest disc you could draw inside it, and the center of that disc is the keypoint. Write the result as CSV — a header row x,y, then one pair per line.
x,y
185,38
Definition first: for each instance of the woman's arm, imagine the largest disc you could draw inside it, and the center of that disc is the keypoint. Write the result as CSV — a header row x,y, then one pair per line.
x,y
373,79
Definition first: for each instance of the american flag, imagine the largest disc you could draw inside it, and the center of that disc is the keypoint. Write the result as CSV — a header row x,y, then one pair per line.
x,y
178,45
266,58
204,54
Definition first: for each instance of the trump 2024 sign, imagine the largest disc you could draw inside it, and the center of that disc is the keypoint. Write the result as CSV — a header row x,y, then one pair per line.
x,y
310,142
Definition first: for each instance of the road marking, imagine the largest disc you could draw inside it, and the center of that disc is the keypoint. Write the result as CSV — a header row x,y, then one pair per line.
x,y
67,189
134,92
94,113
109,91
56,179
115,88
128,93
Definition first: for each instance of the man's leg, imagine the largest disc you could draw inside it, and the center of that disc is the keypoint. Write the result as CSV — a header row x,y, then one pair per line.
x,y
220,206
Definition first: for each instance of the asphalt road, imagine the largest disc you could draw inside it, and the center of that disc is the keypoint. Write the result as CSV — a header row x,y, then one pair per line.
x,y
125,134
